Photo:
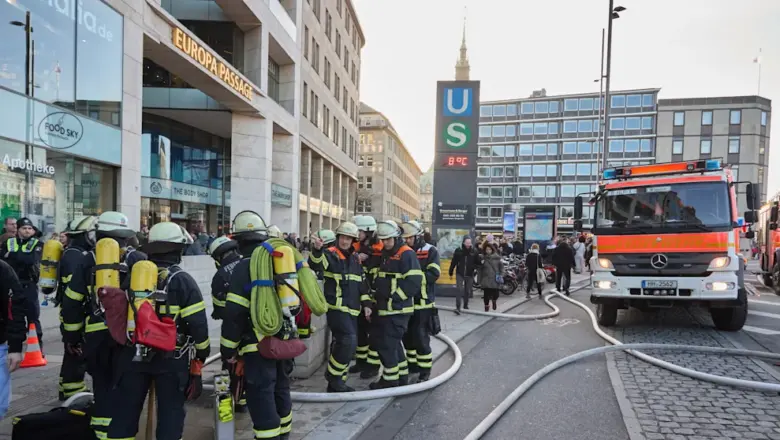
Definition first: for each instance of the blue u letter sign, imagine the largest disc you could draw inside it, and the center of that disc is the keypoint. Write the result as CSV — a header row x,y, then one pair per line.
x,y
457,102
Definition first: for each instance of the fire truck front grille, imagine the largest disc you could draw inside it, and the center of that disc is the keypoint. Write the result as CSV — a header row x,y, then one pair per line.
x,y
678,264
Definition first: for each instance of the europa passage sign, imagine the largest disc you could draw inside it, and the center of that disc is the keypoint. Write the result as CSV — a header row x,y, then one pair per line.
x,y
455,168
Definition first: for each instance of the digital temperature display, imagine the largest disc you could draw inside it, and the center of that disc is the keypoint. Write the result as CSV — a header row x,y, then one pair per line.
x,y
456,161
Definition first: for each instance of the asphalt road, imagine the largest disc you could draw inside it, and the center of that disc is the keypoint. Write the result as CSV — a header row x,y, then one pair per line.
x,y
576,402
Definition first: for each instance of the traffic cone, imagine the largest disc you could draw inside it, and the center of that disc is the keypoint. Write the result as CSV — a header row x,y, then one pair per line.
x,y
33,357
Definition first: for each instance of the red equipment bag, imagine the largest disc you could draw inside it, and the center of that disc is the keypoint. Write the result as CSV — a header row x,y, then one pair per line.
x,y
272,347
114,301
303,321
152,331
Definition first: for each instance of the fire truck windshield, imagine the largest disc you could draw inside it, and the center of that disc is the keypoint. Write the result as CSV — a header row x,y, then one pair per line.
x,y
695,206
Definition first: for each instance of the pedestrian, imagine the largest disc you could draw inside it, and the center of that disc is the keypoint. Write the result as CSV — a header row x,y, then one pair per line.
x,y
463,264
533,262
9,229
491,274
563,260
12,331
579,254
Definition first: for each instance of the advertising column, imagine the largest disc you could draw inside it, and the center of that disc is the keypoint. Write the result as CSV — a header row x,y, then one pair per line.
x,y
454,171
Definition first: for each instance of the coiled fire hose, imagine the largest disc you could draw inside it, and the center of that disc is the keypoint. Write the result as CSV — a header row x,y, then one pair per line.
x,y
266,308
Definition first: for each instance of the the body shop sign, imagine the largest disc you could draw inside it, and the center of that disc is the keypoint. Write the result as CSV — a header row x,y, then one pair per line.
x,y
184,192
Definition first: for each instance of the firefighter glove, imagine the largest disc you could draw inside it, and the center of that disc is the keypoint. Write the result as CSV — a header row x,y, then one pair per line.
x,y
195,386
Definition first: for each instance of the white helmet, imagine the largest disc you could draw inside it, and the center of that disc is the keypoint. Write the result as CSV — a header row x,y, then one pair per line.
x,y
165,237
411,229
80,225
114,224
365,223
347,229
274,232
249,224
387,229
220,245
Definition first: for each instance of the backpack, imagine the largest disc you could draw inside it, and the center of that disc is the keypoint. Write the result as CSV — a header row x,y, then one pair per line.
x,y
57,424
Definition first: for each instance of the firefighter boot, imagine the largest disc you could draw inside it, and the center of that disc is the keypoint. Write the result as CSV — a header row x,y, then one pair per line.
x,y
424,376
337,385
382,383
357,368
369,372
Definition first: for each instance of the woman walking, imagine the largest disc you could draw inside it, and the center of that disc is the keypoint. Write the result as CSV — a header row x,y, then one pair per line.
x,y
490,275
579,254
533,262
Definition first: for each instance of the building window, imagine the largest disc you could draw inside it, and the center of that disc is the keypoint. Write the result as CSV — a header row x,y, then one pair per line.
x,y
527,129
735,118
734,145
482,211
735,172
617,123
496,192
326,73
344,97
570,105
569,126
328,25
634,101
679,119
586,104
338,6
315,55
483,171
499,110
369,161
763,119
527,108
305,106
483,191
496,212
618,101
706,146
540,128
338,44
615,145
337,87
485,131
369,182
511,110
647,123
677,146
306,42
273,80
540,107
585,126
706,117
316,9
497,172
633,123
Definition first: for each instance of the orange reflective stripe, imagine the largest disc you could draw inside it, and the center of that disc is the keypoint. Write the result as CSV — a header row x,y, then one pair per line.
x,y
401,250
338,252
648,243
666,181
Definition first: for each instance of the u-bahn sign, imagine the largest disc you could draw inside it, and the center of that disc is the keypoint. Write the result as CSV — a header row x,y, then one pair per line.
x,y
455,170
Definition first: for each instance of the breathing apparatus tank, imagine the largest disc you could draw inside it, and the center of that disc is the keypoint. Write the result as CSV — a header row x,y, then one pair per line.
x,y
106,263
284,266
52,253
143,283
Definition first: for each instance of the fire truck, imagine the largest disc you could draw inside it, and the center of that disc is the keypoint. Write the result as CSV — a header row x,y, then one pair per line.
x,y
667,235
769,244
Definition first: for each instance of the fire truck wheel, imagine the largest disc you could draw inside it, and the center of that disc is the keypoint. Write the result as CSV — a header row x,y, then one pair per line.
x,y
731,319
607,314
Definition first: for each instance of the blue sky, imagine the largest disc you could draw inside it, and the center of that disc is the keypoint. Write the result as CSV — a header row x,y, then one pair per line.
x,y
688,48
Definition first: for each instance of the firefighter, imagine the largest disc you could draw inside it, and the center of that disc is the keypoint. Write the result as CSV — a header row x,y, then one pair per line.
x,y
344,283
417,340
81,240
267,380
274,232
369,250
139,365
224,251
328,239
397,281
23,253
86,332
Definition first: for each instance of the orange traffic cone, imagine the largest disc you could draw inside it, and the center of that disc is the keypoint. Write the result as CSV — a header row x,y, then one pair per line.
x,y
33,357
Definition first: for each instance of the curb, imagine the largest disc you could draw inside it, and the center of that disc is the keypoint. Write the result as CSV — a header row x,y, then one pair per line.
x,y
633,427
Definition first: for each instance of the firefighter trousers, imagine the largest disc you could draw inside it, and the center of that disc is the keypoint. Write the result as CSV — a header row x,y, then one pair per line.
x,y
33,308
344,329
169,377
387,335
100,353
71,374
366,354
417,342
268,396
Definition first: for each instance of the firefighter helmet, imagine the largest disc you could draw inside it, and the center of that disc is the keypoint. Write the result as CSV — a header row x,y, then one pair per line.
x,y
114,224
274,232
365,223
387,229
347,229
165,237
250,226
327,236
411,229
220,245
80,225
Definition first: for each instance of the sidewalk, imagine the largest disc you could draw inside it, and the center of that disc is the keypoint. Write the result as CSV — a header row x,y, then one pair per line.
x,y
35,390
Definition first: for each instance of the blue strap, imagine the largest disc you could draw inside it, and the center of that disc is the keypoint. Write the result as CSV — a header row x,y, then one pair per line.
x,y
299,265
268,247
259,283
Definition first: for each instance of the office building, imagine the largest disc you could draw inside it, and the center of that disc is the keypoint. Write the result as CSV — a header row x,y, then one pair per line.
x,y
180,110
545,150
388,178
734,129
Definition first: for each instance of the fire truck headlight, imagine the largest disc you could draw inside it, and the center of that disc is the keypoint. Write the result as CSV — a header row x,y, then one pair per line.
x,y
720,285
604,284
605,263
719,263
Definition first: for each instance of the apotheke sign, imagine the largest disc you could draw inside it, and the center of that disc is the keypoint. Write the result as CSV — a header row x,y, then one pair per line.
x,y
207,59
28,165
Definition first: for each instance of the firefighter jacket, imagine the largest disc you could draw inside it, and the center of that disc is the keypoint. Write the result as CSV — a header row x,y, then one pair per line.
x,y
68,264
428,256
12,309
220,284
371,265
238,334
344,280
80,313
24,257
398,281
184,303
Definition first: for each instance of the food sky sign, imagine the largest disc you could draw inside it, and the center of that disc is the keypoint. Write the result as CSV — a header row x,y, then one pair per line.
x,y
455,171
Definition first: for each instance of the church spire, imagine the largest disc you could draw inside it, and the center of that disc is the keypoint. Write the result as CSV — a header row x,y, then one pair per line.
x,y
462,67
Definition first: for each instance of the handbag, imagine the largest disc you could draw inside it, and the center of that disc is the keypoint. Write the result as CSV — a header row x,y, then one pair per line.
x,y
271,347
541,275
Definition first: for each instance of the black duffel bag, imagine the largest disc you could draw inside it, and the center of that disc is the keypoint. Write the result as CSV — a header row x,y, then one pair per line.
x,y
57,424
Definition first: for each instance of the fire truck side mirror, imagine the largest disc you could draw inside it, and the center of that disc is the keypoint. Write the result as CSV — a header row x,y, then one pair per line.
x,y
578,208
577,225
750,217
751,194
750,235
773,215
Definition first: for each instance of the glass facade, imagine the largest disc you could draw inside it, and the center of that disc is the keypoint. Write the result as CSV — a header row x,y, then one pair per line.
x,y
75,55
546,151
185,175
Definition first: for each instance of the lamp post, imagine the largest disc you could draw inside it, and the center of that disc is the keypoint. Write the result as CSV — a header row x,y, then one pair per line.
x,y
613,14
29,75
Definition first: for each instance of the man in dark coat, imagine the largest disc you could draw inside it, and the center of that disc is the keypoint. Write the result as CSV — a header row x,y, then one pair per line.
x,y
563,259
464,262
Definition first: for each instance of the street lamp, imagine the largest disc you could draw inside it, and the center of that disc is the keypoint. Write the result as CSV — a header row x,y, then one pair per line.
x,y
27,50
613,14
29,73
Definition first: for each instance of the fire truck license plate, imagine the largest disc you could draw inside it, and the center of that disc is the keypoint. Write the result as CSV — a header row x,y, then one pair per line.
x,y
659,284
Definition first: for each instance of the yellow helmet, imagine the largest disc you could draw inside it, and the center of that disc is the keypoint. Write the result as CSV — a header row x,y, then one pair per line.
x,y
347,229
387,229
411,229
250,223
274,231
326,235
